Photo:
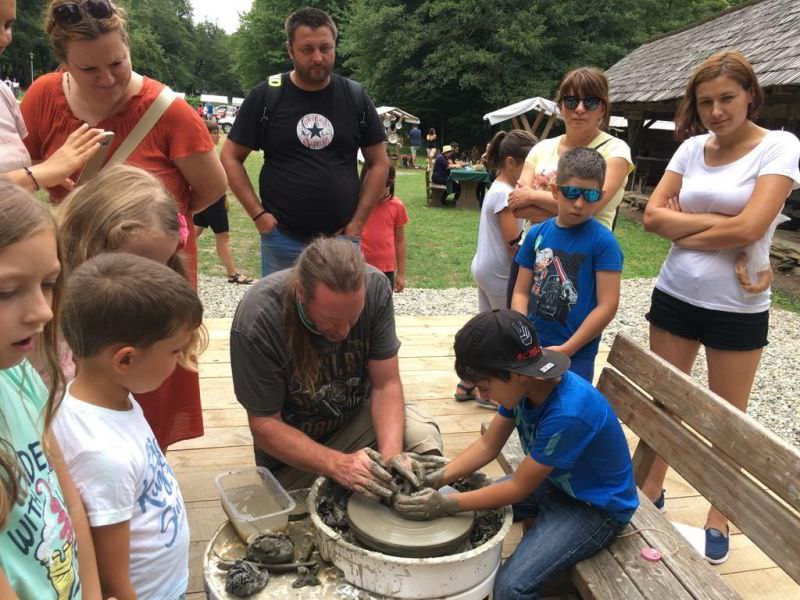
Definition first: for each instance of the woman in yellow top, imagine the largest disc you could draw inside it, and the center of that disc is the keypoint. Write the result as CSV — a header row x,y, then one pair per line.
x,y
585,107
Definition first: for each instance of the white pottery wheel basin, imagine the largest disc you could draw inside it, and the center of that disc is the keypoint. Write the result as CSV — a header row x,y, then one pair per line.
x,y
400,577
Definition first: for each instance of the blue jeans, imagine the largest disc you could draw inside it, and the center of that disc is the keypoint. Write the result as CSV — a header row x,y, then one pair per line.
x,y
565,532
280,251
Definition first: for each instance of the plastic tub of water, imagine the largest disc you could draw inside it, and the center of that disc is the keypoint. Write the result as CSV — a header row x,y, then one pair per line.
x,y
254,501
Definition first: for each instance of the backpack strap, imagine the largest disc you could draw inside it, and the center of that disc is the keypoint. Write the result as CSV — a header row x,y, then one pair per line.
x,y
274,92
272,98
359,98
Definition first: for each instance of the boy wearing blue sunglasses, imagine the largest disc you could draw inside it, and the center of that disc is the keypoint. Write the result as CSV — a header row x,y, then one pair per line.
x,y
571,266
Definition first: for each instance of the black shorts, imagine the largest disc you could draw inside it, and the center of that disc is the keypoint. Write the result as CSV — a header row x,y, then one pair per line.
x,y
717,329
215,216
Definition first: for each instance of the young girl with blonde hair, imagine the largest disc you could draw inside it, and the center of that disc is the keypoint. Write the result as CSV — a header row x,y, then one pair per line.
x,y
125,209
43,527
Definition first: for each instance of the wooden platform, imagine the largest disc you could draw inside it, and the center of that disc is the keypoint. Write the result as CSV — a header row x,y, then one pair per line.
x,y
427,369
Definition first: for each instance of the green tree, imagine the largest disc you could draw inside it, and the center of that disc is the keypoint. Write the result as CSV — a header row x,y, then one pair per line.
x,y
163,41
214,61
260,42
450,61
28,38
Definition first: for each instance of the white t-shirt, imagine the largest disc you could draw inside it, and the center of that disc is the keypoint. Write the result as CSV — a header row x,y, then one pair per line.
x,y
492,263
122,475
707,278
12,131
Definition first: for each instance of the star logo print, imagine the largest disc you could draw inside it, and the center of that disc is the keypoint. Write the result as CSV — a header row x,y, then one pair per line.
x,y
315,131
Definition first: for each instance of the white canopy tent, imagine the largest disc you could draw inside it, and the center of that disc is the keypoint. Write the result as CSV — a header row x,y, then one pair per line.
x,y
517,113
622,123
213,98
395,114
518,109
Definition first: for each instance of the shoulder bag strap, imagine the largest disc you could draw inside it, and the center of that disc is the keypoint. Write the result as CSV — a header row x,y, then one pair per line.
x,y
134,138
143,127
603,143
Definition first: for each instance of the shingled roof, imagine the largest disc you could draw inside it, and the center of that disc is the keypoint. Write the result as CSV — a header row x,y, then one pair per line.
x,y
767,32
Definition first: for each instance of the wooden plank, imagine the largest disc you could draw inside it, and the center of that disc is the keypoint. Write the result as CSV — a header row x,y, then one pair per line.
x,y
222,437
192,460
653,579
686,564
765,584
775,530
751,445
643,459
536,122
601,578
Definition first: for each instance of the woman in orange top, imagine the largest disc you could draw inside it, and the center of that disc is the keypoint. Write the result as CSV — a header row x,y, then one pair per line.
x,y
97,85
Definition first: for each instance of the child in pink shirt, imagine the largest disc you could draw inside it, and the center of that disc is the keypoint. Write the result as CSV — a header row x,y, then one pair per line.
x,y
383,241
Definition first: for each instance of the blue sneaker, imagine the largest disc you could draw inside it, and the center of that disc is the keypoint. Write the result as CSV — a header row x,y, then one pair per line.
x,y
660,503
717,545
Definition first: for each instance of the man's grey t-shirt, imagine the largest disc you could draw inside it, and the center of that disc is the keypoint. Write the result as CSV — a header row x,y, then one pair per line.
x,y
262,366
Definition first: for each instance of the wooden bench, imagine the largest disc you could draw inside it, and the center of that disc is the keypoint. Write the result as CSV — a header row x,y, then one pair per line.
x,y
746,471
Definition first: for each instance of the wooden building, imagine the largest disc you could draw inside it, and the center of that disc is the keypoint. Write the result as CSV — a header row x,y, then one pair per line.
x,y
648,83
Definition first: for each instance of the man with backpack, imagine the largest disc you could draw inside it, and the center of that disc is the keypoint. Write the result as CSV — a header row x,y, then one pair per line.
x,y
310,124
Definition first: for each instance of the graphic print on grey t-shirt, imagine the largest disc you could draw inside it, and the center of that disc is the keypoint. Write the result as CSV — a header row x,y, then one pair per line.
x,y
315,131
342,387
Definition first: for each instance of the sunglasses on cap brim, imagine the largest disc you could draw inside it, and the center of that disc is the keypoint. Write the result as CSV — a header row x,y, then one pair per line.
x,y
71,13
590,103
573,192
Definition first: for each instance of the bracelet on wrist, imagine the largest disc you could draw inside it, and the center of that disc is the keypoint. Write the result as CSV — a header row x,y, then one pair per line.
x,y
36,186
259,215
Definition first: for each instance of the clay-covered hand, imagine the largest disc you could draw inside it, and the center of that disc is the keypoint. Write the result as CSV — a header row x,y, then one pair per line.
x,y
425,505
423,466
364,473
477,480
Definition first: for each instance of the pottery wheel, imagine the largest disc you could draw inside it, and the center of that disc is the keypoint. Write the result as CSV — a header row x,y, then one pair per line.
x,y
380,528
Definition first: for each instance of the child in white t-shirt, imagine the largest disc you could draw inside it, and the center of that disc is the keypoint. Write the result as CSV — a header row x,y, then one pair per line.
x,y
499,231
129,321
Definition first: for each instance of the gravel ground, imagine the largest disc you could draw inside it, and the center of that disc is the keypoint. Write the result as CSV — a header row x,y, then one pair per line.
x,y
774,402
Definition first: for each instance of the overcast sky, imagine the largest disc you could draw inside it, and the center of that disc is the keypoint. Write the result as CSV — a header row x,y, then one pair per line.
x,y
224,13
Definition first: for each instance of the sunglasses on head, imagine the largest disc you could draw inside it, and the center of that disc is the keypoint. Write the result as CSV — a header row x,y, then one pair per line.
x,y
590,103
70,13
573,192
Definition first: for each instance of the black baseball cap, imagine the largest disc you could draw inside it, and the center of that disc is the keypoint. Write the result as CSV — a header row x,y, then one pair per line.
x,y
506,340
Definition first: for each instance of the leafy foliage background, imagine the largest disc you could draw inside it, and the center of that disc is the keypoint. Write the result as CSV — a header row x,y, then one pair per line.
x,y
447,61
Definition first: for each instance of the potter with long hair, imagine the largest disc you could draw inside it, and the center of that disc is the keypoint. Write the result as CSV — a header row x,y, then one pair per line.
x,y
97,85
720,193
314,362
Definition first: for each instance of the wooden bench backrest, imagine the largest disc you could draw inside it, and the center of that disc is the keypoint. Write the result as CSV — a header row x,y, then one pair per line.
x,y
745,470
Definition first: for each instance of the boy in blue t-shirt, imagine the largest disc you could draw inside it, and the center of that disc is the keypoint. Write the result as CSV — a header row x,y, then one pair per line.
x,y
570,265
576,480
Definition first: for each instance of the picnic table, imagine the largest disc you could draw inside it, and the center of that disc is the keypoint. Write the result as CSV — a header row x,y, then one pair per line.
x,y
469,179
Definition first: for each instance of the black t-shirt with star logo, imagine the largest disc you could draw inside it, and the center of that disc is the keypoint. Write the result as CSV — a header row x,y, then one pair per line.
x,y
309,179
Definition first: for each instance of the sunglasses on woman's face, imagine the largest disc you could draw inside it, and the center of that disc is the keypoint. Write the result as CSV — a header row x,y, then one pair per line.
x,y
70,13
590,103
573,192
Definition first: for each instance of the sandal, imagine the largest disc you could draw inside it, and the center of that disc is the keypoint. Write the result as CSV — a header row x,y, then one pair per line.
x,y
240,279
467,392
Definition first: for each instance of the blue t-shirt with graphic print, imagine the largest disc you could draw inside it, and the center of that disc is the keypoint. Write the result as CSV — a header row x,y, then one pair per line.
x,y
575,431
564,287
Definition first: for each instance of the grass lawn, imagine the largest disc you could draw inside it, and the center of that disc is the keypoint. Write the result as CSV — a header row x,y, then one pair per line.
x,y
441,241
